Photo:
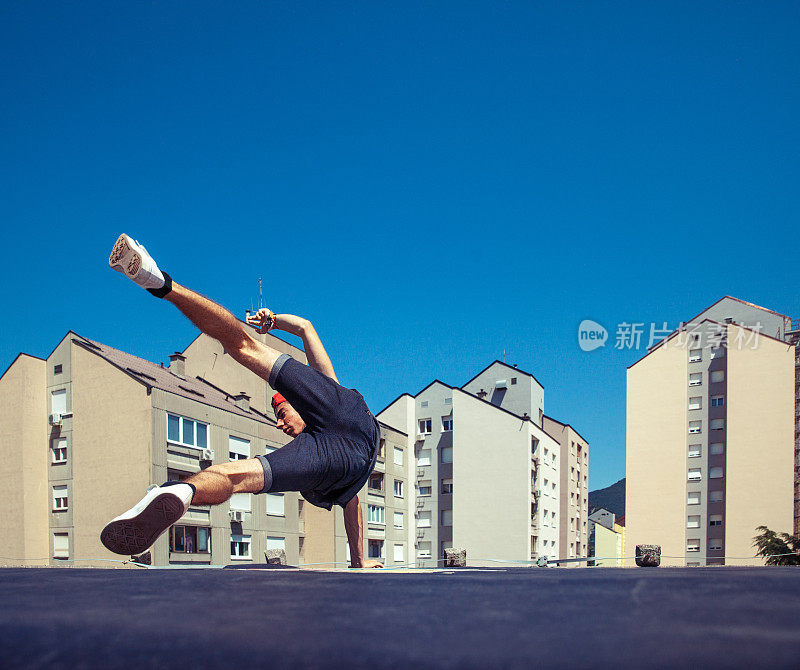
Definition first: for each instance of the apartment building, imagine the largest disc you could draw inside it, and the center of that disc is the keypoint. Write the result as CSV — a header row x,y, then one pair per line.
x,y
487,474
574,499
606,539
711,427
85,431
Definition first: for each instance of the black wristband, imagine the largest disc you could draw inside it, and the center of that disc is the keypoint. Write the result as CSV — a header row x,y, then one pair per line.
x,y
165,289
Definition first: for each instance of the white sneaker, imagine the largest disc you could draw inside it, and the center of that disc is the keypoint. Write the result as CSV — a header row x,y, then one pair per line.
x,y
132,259
137,529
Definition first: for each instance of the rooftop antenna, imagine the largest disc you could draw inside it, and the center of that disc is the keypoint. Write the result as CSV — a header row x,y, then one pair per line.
x,y
260,294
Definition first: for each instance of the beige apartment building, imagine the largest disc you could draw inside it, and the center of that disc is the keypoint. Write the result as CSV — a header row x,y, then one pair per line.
x,y
85,431
711,434
488,475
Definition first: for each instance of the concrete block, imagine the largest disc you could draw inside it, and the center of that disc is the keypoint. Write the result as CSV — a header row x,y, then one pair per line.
x,y
455,558
275,556
648,555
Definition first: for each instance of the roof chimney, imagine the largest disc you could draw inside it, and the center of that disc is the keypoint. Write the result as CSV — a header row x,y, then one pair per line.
x,y
242,401
177,364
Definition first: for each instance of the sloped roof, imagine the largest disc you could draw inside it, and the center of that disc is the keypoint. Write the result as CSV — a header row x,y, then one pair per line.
x,y
153,376
510,367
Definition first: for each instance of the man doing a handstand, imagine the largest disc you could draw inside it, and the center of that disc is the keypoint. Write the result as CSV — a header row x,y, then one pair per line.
x,y
335,437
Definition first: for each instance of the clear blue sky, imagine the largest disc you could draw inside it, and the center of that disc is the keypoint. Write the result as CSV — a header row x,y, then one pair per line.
x,y
431,183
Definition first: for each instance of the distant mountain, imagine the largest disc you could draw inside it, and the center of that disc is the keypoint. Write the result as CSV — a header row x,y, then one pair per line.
x,y
611,497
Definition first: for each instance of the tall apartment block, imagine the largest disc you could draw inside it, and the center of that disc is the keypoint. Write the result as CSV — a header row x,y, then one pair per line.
x,y
85,431
712,436
488,475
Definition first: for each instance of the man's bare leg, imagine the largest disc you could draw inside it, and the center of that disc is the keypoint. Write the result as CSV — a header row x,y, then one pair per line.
x,y
216,484
217,322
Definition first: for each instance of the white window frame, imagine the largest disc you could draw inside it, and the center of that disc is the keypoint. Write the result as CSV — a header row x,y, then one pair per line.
x,y
447,482
181,425
425,426
398,490
242,541
401,517
447,515
60,497
58,401
718,400
695,427
275,542
695,379
447,454
716,473
424,458
693,497
696,402
402,552
693,521
236,450
58,451
398,450
695,450
695,355
424,550
424,519
275,498
695,475
691,546
376,515
447,423
717,424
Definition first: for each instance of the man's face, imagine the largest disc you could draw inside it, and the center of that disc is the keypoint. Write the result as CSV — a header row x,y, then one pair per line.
x,y
289,420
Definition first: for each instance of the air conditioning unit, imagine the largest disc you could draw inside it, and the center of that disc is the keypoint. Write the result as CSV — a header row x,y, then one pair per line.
x,y
237,515
55,419
501,384
207,455
420,437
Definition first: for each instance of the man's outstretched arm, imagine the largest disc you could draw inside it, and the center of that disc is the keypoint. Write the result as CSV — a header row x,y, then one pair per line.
x,y
354,526
303,328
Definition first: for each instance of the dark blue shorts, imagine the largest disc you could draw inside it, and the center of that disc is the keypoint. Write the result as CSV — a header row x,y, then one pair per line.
x,y
331,460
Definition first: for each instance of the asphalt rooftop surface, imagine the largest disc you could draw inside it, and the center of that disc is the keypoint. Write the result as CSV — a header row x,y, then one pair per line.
x,y
515,618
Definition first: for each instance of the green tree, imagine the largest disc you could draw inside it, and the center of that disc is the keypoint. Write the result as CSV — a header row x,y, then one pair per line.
x,y
771,544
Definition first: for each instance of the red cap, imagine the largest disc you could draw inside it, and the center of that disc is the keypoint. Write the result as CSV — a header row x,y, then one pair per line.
x,y
277,399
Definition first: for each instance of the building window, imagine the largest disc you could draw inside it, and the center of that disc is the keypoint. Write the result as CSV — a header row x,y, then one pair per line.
x,y
58,450
714,544
447,454
717,424
695,355
190,540
381,449
423,519
398,456
715,520
375,514
716,448
240,546
398,519
399,553
276,543
692,545
717,376
695,427
693,522
425,426
424,457
717,400
715,473
695,378
375,548
448,401
693,498
423,403
241,502
58,401
695,450
57,369
375,483
447,423
61,545
715,496
695,475
696,402
238,448
398,488
447,517
424,550
276,504
513,381
447,486
187,432
425,487
534,446
60,499
719,352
